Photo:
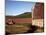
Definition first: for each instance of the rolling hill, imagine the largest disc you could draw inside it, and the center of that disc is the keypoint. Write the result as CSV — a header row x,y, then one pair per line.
x,y
24,15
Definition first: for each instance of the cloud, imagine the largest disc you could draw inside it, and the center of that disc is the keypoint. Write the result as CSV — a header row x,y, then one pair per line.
x,y
24,0
29,0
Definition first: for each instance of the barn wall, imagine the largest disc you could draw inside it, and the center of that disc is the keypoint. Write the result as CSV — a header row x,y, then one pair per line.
x,y
38,14
38,22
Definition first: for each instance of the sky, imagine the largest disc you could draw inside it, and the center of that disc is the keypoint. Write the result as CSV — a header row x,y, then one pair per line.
x,y
14,7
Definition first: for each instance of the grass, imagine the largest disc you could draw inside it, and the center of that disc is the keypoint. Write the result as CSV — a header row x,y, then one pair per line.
x,y
40,29
17,28
21,27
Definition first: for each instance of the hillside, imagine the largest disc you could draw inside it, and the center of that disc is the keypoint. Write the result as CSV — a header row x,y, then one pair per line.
x,y
25,15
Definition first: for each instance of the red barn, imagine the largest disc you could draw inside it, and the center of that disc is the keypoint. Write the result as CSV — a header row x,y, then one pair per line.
x,y
38,15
